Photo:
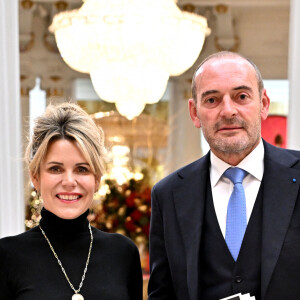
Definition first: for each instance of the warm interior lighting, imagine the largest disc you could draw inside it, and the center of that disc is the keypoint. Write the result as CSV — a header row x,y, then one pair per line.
x,y
119,169
130,47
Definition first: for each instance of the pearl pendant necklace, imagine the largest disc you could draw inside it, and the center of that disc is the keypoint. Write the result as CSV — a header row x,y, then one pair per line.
x,y
76,296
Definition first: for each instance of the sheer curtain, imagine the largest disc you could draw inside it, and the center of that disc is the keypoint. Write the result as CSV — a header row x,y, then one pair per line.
x,y
11,171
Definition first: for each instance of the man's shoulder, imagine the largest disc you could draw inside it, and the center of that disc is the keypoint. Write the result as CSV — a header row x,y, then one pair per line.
x,y
281,155
188,171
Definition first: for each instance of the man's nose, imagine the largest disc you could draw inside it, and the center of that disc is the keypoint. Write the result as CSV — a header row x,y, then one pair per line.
x,y
228,107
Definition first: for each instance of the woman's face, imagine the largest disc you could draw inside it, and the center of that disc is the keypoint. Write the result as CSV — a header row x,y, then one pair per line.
x,y
65,180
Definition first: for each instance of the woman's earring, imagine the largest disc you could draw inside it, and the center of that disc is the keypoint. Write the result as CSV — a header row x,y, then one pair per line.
x,y
33,214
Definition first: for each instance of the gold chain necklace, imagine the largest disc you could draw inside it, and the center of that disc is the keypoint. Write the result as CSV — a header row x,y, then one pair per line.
x,y
76,296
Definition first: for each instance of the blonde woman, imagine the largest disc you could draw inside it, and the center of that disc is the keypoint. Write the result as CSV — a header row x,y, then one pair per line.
x,y
64,258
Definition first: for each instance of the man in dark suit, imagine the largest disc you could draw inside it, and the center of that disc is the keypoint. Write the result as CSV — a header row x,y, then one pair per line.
x,y
191,256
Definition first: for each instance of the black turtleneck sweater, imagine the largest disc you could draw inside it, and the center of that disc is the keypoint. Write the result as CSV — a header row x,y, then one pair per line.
x,y
29,270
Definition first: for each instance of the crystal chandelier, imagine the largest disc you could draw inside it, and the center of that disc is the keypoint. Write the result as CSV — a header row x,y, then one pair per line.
x,y
129,47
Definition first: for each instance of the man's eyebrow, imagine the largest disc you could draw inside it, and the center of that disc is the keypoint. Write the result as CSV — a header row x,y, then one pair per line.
x,y
243,87
209,92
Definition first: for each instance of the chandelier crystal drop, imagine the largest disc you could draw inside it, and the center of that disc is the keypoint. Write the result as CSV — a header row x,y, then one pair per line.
x,y
130,109
129,45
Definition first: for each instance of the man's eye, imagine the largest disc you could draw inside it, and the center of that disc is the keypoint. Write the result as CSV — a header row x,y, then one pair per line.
x,y
242,96
211,100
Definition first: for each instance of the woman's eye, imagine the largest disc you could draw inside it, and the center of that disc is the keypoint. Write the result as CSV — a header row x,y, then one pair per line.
x,y
82,169
55,169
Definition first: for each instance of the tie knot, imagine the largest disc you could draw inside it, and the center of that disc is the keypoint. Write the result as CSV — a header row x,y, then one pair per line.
x,y
235,175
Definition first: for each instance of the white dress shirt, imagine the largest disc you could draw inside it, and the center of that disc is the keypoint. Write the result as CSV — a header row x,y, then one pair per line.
x,y
222,187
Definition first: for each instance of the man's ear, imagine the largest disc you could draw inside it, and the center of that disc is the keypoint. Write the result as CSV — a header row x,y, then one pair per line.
x,y
194,113
265,104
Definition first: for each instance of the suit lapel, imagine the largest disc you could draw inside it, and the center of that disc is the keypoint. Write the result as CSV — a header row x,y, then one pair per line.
x,y
281,185
189,201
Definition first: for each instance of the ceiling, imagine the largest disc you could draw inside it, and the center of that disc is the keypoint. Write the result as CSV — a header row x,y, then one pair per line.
x,y
198,2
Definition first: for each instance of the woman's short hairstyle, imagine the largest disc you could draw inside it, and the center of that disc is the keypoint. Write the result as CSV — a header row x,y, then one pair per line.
x,y
66,121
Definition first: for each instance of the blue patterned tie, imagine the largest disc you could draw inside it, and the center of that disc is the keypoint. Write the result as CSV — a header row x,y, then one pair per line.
x,y
236,221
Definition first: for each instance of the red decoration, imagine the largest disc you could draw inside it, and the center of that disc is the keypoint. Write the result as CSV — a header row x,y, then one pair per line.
x,y
130,199
136,215
126,209
273,130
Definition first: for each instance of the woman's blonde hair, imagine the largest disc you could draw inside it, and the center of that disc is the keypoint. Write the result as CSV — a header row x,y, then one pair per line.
x,y
66,121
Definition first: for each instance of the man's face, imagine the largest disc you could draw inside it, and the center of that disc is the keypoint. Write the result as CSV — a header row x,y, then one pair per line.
x,y
229,107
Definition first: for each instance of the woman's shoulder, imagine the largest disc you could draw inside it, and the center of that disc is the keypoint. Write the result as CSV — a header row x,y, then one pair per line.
x,y
116,248
113,239
16,241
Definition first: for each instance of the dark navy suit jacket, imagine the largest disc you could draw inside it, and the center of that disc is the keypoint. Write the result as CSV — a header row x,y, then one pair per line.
x,y
177,221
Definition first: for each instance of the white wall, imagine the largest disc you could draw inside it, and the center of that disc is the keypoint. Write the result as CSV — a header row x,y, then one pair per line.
x,y
11,174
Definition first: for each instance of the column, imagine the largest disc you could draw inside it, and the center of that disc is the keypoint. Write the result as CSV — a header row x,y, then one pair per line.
x,y
11,170
293,136
184,144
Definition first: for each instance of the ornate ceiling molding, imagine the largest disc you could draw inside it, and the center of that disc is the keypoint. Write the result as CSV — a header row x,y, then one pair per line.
x,y
238,3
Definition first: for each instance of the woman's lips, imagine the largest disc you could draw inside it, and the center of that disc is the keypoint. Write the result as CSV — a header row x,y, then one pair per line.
x,y
69,197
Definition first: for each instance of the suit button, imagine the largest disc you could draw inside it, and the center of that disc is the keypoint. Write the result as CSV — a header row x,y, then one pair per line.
x,y
238,279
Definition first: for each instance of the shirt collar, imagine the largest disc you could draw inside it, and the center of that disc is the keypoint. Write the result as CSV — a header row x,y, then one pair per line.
x,y
253,163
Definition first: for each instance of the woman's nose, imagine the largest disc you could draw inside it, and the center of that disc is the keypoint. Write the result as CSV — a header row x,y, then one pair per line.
x,y
69,179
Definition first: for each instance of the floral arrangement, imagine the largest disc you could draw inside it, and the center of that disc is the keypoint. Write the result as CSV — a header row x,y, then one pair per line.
x,y
125,209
